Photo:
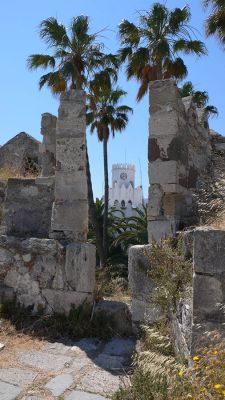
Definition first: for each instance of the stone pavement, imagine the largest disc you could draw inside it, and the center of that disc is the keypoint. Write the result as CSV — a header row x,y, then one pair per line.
x,y
88,369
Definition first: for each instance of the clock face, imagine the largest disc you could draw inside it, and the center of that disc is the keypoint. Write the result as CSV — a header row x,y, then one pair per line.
x,y
123,176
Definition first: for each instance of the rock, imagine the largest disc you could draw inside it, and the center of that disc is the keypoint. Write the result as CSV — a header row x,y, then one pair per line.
x,y
17,376
99,381
1,347
118,313
46,361
9,392
59,384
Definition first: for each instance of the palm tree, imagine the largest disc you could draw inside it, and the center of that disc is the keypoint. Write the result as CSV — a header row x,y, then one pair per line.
x,y
106,115
152,47
200,98
76,57
132,230
215,24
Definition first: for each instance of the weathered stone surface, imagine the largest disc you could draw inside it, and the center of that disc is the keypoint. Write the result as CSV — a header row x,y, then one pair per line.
x,y
120,347
99,381
141,285
209,254
20,153
179,152
17,376
78,395
48,146
9,392
70,209
80,266
119,313
27,208
59,384
62,301
110,362
45,361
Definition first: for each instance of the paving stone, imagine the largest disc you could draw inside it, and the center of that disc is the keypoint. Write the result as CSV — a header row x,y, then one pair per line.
x,y
78,364
39,359
59,384
120,347
77,395
57,348
99,381
9,392
109,362
17,376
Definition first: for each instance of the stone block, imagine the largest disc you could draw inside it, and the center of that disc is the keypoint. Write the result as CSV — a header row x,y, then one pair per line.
x,y
161,229
144,311
71,180
59,384
209,251
119,313
28,208
17,376
8,391
163,172
155,204
61,302
138,266
71,155
49,362
80,267
208,295
70,219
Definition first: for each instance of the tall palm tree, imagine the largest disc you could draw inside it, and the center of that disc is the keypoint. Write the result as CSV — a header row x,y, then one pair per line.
x,y
106,115
215,24
152,48
200,98
76,56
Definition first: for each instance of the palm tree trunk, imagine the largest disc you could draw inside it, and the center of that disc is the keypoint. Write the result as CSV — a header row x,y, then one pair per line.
x,y
92,213
106,197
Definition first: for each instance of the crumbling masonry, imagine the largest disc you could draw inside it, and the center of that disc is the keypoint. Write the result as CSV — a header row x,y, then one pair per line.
x,y
44,258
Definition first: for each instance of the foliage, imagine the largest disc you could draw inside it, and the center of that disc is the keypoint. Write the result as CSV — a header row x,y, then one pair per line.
x,y
81,322
157,373
215,24
77,54
200,99
132,230
152,48
170,272
106,115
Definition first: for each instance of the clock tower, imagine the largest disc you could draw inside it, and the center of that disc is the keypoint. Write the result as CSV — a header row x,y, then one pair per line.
x,y
123,193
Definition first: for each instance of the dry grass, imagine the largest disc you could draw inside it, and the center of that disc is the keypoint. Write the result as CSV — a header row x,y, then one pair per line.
x,y
9,172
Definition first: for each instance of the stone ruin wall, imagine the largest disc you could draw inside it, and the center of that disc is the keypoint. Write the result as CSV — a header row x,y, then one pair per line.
x,y
179,158
45,261
183,155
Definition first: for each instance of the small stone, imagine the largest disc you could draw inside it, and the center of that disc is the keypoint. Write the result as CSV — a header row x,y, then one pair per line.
x,y
59,384
2,346
9,392
77,395
26,257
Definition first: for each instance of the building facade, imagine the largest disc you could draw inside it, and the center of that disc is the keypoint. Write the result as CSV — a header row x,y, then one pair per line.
x,y
123,194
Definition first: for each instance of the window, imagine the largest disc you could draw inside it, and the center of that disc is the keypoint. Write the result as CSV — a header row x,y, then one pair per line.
x,y
123,205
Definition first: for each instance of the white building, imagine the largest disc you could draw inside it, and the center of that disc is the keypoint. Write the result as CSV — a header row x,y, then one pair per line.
x,y
123,194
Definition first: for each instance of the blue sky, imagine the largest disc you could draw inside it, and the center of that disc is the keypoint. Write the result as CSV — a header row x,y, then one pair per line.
x,y
22,103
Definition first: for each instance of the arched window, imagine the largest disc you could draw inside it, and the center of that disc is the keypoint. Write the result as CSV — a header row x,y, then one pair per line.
x,y
130,202
123,205
116,203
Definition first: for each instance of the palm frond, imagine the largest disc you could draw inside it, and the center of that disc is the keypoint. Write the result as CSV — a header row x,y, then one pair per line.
x,y
40,60
129,33
54,33
190,46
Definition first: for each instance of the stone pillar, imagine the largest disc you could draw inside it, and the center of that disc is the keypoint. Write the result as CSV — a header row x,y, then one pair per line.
x,y
70,209
178,155
48,146
208,282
